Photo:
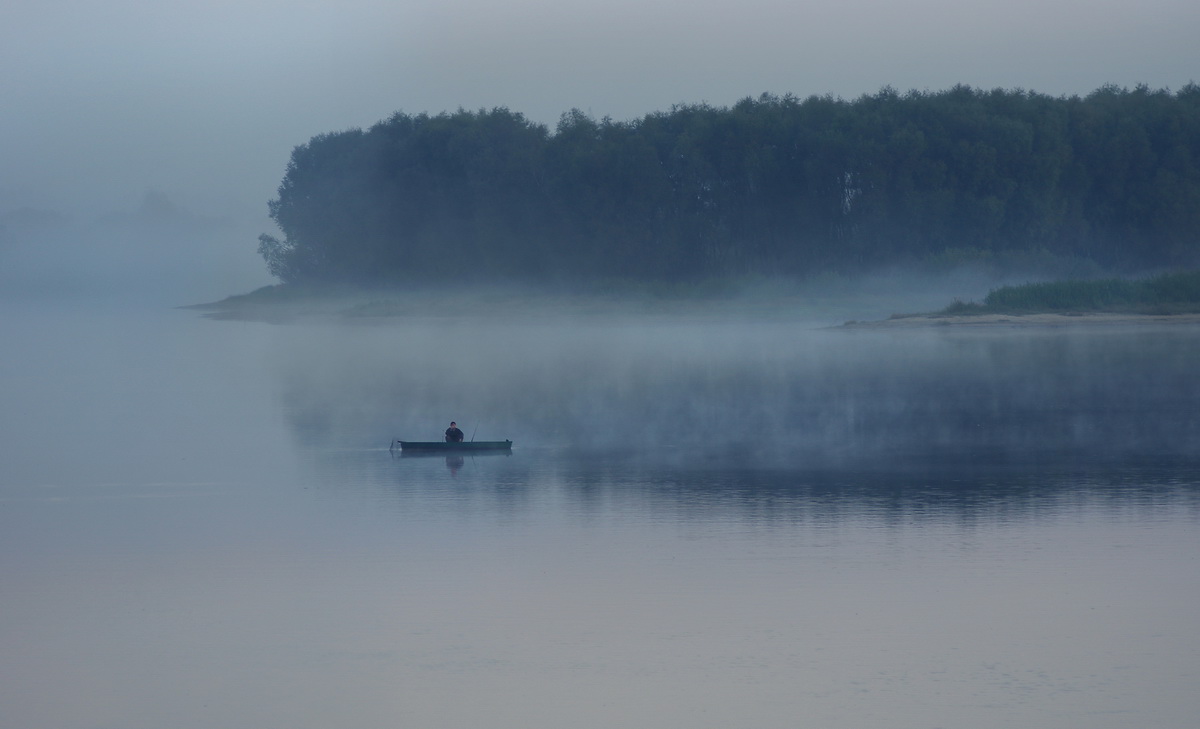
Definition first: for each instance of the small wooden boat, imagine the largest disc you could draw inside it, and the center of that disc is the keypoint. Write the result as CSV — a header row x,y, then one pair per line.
x,y
444,447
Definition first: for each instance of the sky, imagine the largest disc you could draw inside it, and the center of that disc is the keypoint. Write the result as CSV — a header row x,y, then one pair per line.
x,y
104,101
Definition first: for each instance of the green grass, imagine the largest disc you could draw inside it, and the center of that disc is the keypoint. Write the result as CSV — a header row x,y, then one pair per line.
x,y
1172,293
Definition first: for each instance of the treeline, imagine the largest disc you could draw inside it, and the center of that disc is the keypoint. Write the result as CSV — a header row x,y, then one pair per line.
x,y
773,184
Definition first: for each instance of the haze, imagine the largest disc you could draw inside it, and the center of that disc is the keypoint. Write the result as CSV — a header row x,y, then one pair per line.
x,y
203,102
702,523
727,517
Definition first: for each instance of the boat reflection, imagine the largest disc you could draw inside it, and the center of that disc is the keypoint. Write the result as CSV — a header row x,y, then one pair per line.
x,y
453,461
436,454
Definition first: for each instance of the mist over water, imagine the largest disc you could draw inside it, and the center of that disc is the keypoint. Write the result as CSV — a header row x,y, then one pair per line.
x,y
784,392
156,254
707,519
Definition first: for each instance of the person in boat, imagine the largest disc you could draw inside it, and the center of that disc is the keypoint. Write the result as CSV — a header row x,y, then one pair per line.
x,y
453,434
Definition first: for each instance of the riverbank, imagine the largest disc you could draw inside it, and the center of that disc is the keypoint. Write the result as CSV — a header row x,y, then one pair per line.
x,y
919,321
1170,298
815,303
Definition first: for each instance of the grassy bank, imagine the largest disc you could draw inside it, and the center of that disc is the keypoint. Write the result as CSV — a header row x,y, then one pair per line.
x,y
1172,293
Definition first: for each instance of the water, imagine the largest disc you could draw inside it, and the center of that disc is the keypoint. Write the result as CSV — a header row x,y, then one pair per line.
x,y
201,525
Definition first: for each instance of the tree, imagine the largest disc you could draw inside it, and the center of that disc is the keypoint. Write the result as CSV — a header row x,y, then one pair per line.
x,y
772,184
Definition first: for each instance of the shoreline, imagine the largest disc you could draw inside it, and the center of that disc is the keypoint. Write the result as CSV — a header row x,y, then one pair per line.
x,y
1044,320
821,312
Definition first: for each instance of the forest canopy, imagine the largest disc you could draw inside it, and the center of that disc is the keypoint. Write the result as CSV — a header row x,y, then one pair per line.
x,y
773,184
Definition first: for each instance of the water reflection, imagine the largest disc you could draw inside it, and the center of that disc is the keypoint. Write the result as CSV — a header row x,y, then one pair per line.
x,y
974,487
454,462
702,526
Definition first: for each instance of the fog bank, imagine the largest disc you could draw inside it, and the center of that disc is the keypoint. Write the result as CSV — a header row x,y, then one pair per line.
x,y
157,252
767,392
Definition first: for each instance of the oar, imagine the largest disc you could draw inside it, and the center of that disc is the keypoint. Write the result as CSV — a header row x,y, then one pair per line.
x,y
473,432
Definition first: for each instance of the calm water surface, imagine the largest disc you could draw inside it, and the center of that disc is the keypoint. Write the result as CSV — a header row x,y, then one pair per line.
x,y
201,525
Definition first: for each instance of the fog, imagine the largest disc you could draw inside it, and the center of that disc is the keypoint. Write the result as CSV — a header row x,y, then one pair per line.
x,y
205,101
155,252
726,509
761,374
202,524
201,104
728,388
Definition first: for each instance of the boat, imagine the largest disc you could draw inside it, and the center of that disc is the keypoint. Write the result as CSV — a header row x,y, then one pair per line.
x,y
444,447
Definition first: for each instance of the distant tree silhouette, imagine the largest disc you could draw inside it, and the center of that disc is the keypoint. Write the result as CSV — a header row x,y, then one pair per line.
x,y
771,184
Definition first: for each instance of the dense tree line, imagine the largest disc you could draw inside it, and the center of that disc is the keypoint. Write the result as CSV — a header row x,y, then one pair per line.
x,y
773,184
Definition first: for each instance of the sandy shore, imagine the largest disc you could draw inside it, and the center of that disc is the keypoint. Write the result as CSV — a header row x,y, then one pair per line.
x,y
1023,320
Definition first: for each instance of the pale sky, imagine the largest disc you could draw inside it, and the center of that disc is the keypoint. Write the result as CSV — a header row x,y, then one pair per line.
x,y
104,100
